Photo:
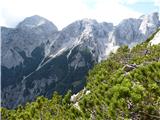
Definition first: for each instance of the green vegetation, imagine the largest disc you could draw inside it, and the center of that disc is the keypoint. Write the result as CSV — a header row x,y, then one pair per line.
x,y
125,86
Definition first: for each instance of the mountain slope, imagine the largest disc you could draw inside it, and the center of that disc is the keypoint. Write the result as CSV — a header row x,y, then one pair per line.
x,y
125,86
37,59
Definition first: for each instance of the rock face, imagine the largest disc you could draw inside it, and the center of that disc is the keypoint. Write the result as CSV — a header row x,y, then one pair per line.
x,y
29,34
156,39
37,59
133,31
37,22
149,24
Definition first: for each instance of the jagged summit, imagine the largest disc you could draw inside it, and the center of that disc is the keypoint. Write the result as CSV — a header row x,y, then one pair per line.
x,y
132,31
36,21
88,21
149,23
81,24
88,26
153,16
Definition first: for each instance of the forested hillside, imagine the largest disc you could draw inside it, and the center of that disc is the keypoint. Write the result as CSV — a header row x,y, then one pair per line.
x,y
125,86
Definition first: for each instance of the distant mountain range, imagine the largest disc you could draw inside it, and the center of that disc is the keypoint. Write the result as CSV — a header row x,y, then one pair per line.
x,y
37,59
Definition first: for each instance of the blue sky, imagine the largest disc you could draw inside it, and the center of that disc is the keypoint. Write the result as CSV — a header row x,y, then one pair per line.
x,y
144,6
63,12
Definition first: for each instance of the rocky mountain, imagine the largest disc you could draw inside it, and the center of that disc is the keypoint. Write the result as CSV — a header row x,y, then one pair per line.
x,y
37,59
132,31
125,86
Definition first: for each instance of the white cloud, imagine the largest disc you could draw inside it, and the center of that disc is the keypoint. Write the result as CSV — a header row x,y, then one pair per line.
x,y
63,12
157,3
130,2
112,11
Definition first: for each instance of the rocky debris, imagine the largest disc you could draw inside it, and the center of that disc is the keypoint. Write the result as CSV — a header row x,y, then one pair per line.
x,y
76,105
128,68
74,98
87,92
146,52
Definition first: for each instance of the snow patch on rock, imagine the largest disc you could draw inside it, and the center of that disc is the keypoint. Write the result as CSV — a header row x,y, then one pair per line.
x,y
156,39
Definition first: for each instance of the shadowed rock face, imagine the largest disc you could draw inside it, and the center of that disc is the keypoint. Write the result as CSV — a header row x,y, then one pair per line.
x,y
37,59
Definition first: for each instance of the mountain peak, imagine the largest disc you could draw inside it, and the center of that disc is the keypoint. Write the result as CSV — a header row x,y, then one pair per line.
x,y
88,21
151,18
36,21
149,23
